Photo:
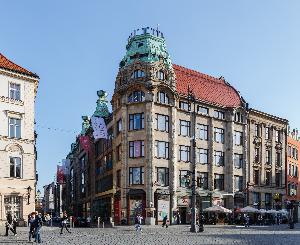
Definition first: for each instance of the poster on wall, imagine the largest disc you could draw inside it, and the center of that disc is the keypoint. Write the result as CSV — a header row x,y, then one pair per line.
x,y
163,207
184,201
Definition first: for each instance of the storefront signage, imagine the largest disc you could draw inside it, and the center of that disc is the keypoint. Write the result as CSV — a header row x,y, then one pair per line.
x,y
184,201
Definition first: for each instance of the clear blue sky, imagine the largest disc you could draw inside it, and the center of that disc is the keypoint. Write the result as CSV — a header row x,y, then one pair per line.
x,y
75,47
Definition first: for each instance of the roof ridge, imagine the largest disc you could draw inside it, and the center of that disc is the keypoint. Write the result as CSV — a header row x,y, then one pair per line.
x,y
7,64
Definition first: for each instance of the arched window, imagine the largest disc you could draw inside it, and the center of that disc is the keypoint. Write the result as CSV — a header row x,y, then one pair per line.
x,y
137,74
136,96
160,75
163,98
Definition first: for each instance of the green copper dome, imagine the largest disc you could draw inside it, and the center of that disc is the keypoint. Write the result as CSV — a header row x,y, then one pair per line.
x,y
146,45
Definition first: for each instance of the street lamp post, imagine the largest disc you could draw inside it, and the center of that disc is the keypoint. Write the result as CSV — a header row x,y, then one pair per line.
x,y
191,98
29,189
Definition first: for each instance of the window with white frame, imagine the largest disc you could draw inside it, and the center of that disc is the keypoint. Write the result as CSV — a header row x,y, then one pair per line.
x,y
136,121
163,176
136,149
14,91
219,114
12,205
257,130
219,158
238,138
119,126
162,149
184,178
136,176
202,131
202,180
162,97
219,135
184,105
138,74
185,127
14,127
136,96
277,136
238,160
202,109
267,133
160,75
238,183
202,156
162,122
15,167
268,157
184,153
219,182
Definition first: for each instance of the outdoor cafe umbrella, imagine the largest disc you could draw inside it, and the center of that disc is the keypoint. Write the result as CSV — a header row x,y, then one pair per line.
x,y
249,209
217,209
262,211
272,211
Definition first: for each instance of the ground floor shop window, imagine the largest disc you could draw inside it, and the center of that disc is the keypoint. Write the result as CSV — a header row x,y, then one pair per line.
x,y
13,205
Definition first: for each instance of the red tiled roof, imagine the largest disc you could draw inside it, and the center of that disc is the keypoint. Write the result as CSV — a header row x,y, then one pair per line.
x,y
206,88
9,65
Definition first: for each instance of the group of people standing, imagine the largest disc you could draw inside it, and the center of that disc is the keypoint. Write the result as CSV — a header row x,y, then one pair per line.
x,y
35,222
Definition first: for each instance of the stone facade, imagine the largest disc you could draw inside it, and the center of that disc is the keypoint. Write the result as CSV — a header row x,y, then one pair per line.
x,y
267,160
17,141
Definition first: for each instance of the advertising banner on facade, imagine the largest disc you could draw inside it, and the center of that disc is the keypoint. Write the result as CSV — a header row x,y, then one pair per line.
x,y
60,175
163,208
85,143
99,127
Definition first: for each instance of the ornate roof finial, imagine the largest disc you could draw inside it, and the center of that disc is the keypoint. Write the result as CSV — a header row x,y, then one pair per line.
x,y
102,108
85,124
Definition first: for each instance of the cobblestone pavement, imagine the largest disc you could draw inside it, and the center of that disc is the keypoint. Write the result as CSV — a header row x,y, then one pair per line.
x,y
159,236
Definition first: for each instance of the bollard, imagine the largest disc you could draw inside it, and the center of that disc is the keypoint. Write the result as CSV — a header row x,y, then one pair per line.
x,y
98,222
102,224
71,222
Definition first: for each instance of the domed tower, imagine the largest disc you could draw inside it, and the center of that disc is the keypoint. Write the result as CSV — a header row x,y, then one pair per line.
x,y
145,85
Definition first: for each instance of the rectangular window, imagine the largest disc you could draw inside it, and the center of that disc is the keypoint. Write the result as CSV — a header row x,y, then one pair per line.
x,y
268,157
238,183
256,177
119,126
219,158
277,136
184,178
184,105
278,179
278,159
136,121
136,176
219,114
268,178
256,198
219,135
290,168
202,156
219,182
202,180
119,178
162,122
238,160
268,200
256,155
238,138
267,133
238,117
257,130
289,151
14,91
136,149
163,176
185,128
184,153
162,149
15,167
14,128
202,131
119,152
202,110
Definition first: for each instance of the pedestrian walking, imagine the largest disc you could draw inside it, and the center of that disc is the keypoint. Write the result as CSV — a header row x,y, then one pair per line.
x,y
31,220
165,220
247,220
38,223
138,222
178,218
63,224
15,222
9,224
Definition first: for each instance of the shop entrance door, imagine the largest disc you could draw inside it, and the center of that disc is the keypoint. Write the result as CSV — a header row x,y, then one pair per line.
x,y
182,212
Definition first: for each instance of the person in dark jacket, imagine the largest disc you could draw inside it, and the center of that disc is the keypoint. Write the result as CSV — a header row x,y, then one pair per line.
x,y
63,224
38,223
165,219
31,221
9,224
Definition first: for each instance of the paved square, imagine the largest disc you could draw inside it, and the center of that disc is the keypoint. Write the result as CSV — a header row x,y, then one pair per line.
x,y
274,235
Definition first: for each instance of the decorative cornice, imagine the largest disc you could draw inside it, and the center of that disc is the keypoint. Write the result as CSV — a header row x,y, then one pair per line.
x,y
14,140
11,101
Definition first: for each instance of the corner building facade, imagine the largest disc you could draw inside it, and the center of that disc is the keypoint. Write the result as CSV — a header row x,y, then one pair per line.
x,y
18,88
154,125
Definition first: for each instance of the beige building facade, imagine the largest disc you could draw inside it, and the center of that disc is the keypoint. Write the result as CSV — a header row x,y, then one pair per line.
x,y
18,88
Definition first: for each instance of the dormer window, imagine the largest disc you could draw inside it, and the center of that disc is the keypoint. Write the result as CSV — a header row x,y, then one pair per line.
x,y
14,91
238,117
160,75
138,74
163,98
136,96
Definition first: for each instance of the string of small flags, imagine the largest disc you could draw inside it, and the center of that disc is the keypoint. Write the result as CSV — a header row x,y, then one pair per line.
x,y
56,129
